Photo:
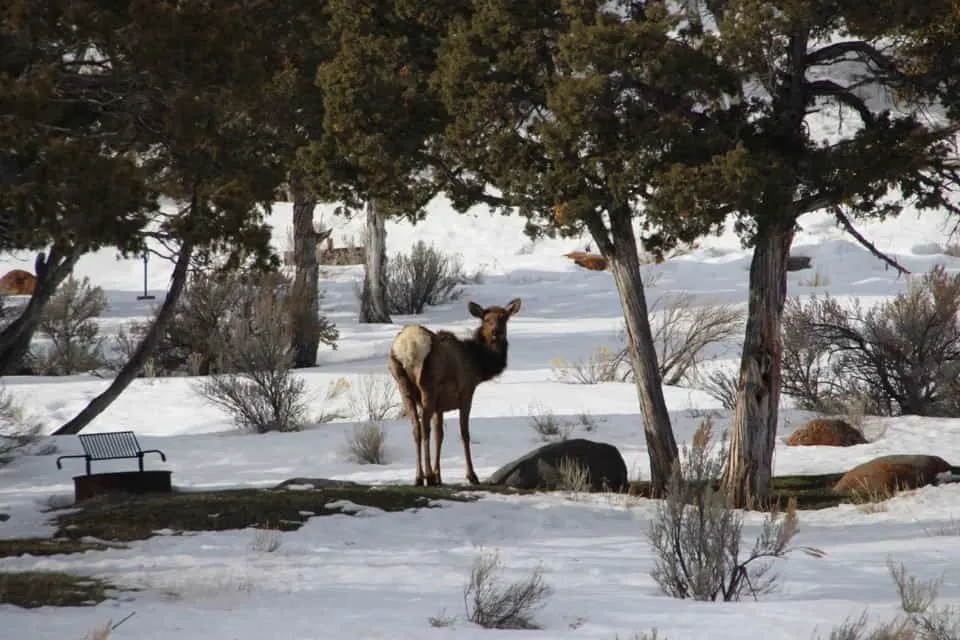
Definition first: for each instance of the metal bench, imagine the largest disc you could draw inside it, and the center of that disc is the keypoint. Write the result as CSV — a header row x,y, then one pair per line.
x,y
114,445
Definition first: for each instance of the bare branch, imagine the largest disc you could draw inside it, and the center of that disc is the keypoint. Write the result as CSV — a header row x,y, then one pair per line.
x,y
869,246
829,88
865,51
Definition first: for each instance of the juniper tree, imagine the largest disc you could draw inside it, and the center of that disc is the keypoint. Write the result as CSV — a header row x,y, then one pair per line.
x,y
70,181
796,60
380,116
570,109
211,116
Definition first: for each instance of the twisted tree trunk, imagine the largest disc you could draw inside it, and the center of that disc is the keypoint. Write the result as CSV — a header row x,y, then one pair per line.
x,y
145,349
373,300
51,270
305,299
749,467
622,253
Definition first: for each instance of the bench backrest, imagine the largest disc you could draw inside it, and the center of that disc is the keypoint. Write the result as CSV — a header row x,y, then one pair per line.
x,y
104,446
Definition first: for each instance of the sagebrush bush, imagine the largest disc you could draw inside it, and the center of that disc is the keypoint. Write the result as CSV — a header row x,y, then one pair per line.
x,y
255,351
683,331
697,536
548,426
375,398
18,431
721,385
68,321
494,605
901,356
921,618
188,343
601,365
425,276
367,443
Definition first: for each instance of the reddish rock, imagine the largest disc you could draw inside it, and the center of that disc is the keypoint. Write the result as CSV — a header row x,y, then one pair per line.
x,y
18,283
826,433
588,260
888,474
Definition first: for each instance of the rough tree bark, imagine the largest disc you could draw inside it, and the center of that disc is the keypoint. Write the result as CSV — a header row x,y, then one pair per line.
x,y
50,270
373,300
145,349
623,256
305,298
750,459
746,478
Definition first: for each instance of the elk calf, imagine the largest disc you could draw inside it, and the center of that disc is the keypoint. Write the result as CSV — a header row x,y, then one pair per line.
x,y
438,372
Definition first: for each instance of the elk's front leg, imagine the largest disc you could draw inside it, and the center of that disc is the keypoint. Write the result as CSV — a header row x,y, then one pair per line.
x,y
465,403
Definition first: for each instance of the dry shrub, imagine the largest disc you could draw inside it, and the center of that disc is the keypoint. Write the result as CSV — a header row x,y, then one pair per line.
x,y
424,277
100,633
574,477
266,540
68,322
19,432
254,347
442,620
494,605
682,332
697,536
335,390
602,365
188,343
721,385
548,426
922,619
366,443
646,635
899,357
375,398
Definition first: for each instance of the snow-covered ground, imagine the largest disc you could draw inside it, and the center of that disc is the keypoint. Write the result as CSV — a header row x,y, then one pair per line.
x,y
383,575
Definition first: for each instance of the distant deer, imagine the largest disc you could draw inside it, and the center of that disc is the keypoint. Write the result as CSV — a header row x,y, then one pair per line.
x,y
438,372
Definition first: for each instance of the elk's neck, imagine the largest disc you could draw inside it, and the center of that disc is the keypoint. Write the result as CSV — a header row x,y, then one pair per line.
x,y
488,362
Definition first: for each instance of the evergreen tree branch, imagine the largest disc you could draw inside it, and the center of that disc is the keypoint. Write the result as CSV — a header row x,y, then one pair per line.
x,y
866,244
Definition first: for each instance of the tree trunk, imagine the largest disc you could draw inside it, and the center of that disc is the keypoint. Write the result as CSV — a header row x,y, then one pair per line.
x,y
373,300
305,299
15,339
132,368
750,459
625,265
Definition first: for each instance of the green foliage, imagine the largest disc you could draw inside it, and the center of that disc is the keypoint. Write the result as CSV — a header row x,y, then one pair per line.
x,y
379,112
97,118
570,109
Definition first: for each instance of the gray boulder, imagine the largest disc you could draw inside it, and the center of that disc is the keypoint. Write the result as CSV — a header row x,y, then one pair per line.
x,y
541,468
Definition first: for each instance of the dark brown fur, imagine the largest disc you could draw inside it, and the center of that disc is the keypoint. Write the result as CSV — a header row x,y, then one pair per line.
x,y
441,375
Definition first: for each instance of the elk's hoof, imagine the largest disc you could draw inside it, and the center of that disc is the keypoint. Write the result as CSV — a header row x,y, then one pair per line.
x,y
472,478
419,482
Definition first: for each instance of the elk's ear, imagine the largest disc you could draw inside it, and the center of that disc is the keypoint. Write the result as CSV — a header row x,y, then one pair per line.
x,y
475,309
514,306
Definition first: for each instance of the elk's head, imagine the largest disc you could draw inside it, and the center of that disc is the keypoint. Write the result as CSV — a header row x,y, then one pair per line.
x,y
493,329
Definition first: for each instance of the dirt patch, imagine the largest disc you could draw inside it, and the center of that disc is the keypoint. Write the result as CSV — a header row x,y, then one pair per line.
x,y
139,517
45,547
30,589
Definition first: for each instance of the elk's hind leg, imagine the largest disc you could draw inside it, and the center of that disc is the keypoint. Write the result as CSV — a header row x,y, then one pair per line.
x,y
437,444
410,396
